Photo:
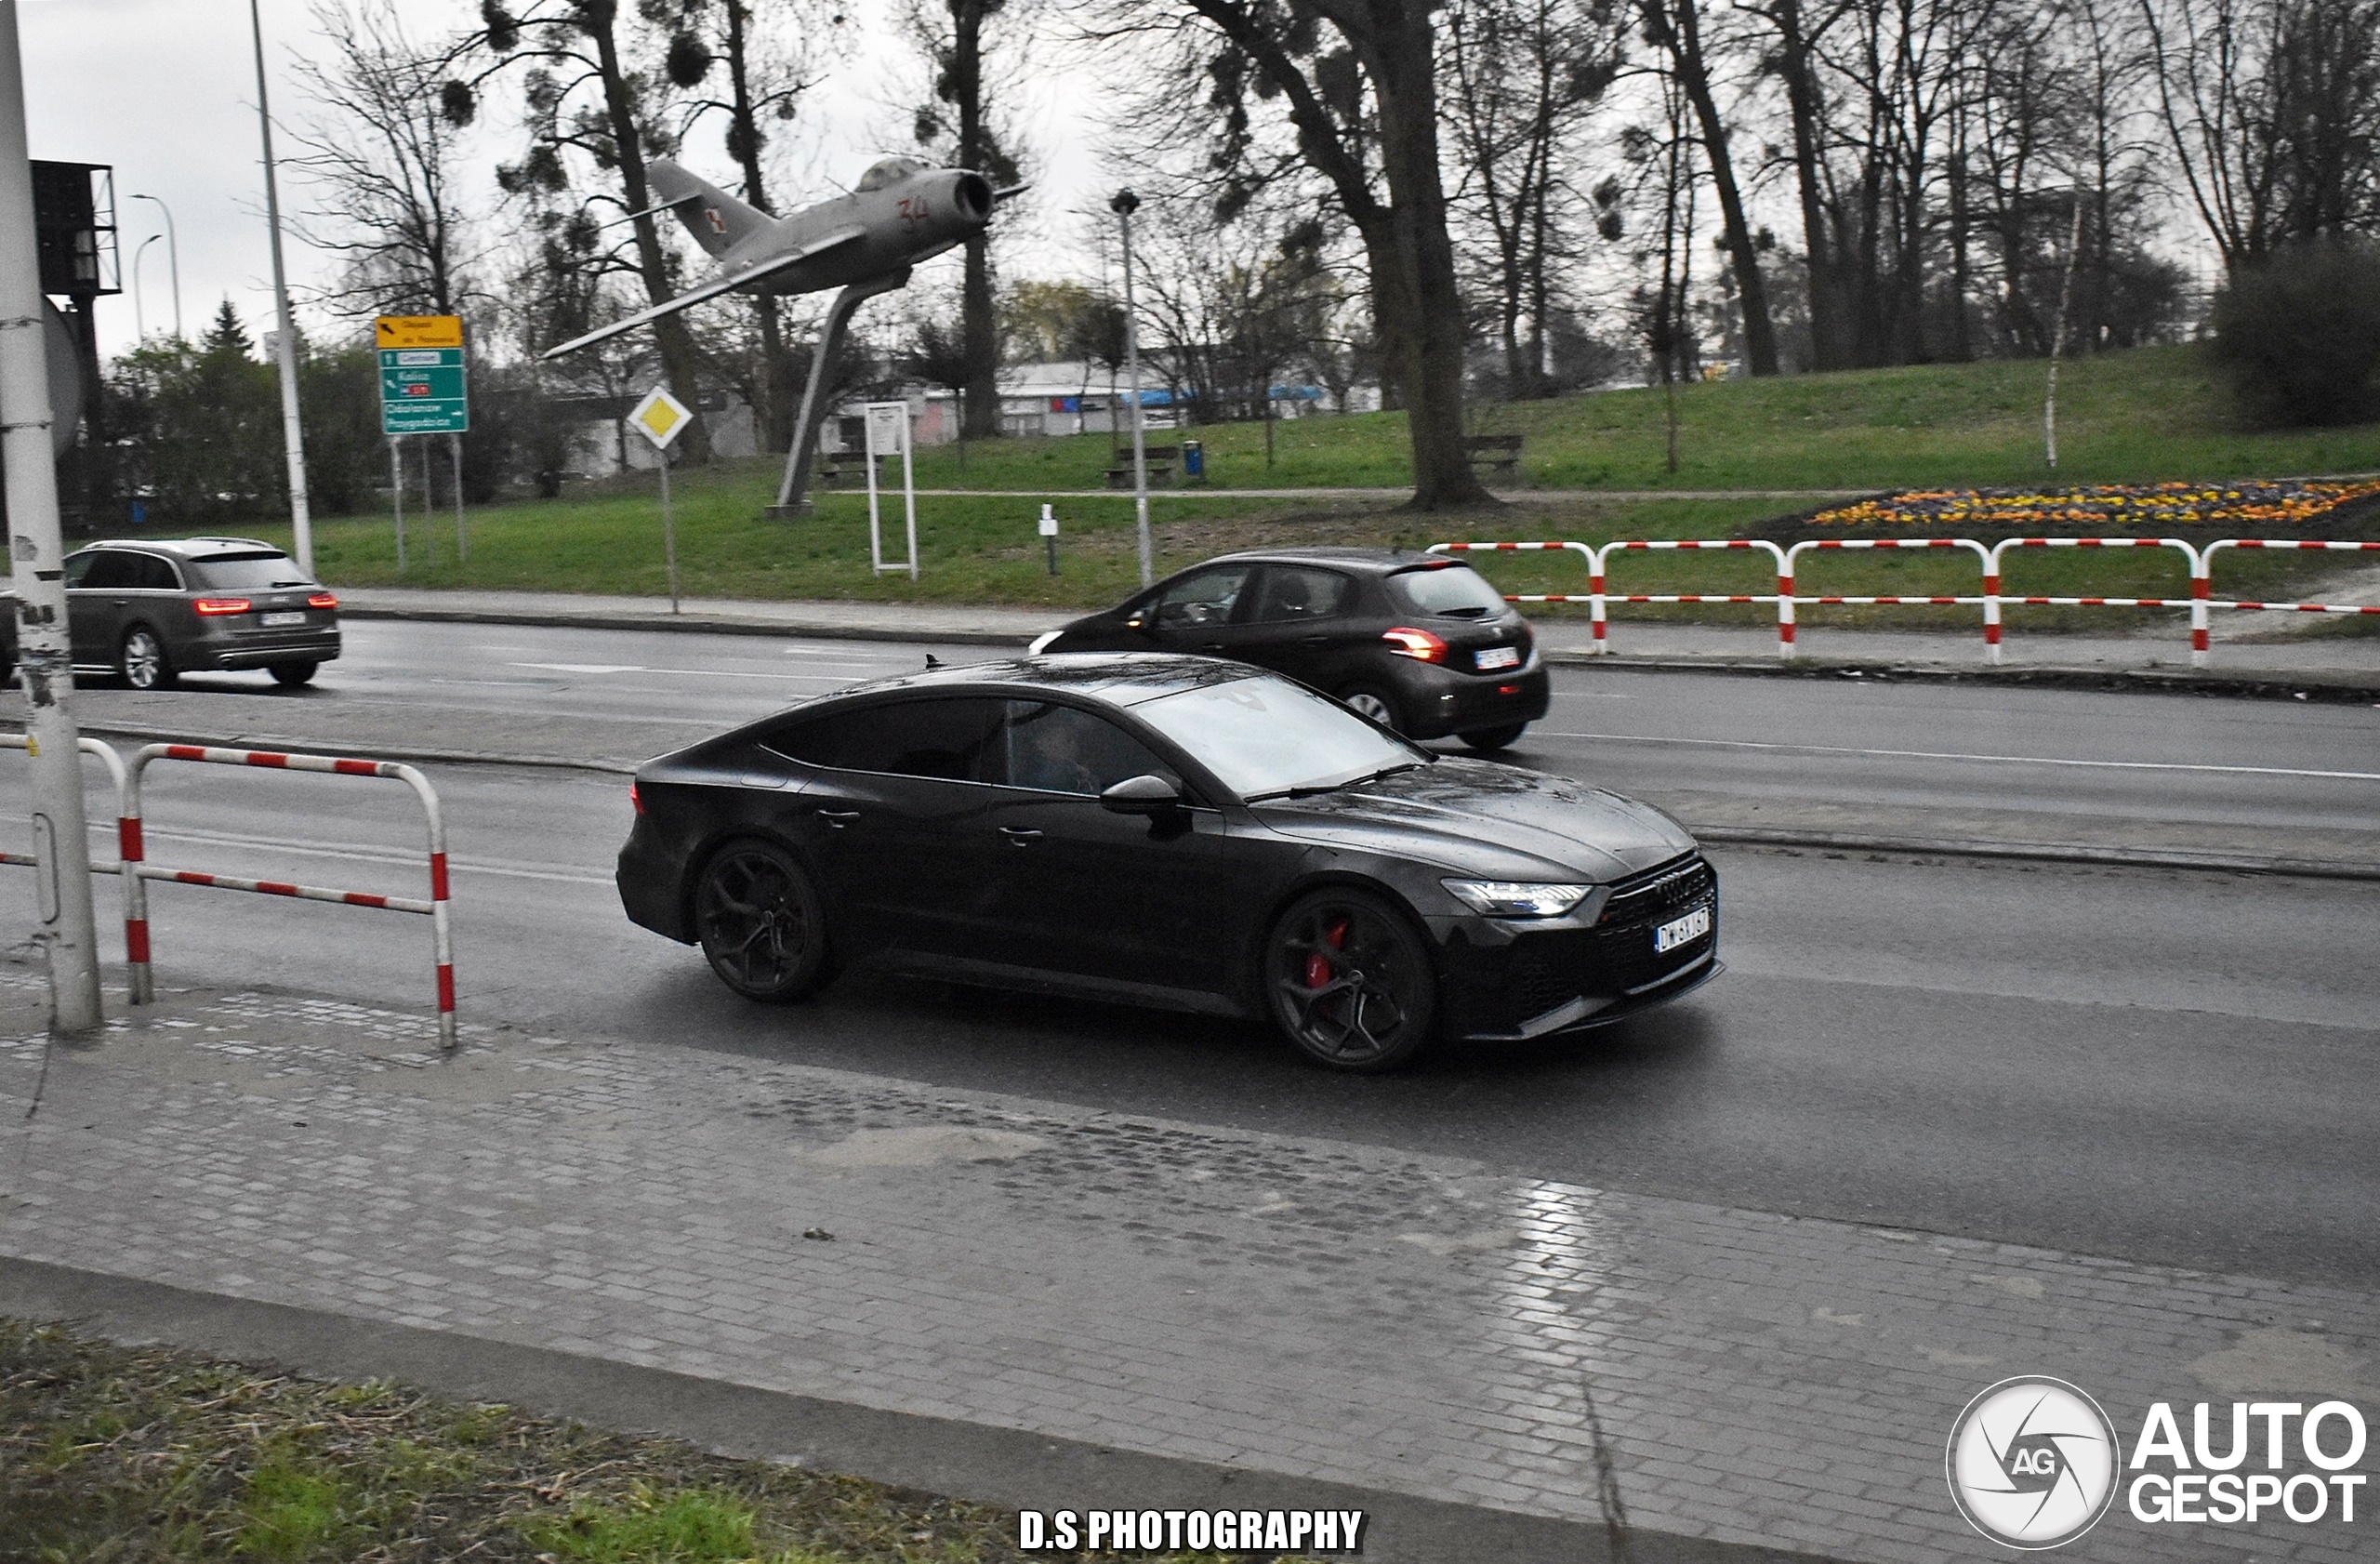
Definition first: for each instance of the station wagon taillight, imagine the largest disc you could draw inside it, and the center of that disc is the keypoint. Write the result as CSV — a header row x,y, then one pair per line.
x,y
322,599
1419,645
213,605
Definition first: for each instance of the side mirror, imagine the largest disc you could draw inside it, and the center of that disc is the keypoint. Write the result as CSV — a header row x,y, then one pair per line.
x,y
1142,795
1142,619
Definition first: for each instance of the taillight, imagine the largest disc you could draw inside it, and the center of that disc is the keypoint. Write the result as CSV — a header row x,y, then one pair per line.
x,y
1419,645
322,599
212,605
635,798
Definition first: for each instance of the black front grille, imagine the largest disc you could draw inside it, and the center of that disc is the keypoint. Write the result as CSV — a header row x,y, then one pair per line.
x,y
1540,978
1623,935
1659,895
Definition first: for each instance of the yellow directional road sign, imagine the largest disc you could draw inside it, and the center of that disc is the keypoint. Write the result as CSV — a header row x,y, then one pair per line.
x,y
418,331
660,417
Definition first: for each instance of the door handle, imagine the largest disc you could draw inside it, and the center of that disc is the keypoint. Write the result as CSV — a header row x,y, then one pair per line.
x,y
1212,646
838,818
1020,836
1316,641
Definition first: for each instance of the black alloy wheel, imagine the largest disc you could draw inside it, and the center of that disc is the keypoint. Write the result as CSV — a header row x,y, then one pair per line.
x,y
1487,741
759,922
291,675
1367,700
1350,981
143,660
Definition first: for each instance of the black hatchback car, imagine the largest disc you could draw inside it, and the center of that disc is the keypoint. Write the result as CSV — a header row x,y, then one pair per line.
x,y
149,610
1177,831
1416,642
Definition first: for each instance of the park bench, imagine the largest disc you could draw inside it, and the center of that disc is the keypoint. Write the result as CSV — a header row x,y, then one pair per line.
x,y
1499,453
1160,459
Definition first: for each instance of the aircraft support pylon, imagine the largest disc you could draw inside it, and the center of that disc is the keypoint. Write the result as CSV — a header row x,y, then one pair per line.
x,y
791,492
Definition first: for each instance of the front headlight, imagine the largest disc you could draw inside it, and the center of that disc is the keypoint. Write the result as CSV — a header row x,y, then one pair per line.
x,y
1514,898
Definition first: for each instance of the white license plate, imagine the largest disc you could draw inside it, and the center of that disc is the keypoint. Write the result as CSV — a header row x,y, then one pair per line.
x,y
294,616
1681,931
1500,656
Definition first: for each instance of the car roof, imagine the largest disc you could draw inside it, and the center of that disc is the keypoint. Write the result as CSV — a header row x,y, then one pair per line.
x,y
188,548
1113,678
1375,562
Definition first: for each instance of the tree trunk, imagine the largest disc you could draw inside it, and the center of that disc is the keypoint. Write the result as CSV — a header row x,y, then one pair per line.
x,y
1681,35
1802,104
775,411
680,361
978,329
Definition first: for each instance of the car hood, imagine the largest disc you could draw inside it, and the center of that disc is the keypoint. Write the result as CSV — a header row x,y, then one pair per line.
x,y
1489,820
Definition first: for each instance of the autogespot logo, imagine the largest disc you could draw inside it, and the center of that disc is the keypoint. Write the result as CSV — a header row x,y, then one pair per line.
x,y
2034,1463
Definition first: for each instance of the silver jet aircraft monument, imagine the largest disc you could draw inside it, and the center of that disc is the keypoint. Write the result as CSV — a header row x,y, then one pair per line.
x,y
902,212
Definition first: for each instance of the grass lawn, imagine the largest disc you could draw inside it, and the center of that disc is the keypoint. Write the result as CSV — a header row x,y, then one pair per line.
x,y
146,1455
2132,416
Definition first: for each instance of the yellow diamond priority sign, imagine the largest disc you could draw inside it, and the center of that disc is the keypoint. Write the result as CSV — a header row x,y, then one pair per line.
x,y
660,417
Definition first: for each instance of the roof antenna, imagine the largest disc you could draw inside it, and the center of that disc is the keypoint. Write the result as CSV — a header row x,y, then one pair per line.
x,y
932,661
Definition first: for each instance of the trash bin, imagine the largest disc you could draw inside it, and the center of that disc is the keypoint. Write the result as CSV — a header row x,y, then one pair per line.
x,y
1194,458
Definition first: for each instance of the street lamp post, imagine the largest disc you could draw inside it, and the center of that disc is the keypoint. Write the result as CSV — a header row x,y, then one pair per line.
x,y
139,316
1124,205
61,845
173,255
293,434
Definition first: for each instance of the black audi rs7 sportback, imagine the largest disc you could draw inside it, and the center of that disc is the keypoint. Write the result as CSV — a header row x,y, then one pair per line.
x,y
1170,830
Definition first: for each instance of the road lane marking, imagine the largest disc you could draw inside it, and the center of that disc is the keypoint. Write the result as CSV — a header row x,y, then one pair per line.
x,y
1946,755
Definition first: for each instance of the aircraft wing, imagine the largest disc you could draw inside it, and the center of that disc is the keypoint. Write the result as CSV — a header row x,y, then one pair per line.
x,y
712,290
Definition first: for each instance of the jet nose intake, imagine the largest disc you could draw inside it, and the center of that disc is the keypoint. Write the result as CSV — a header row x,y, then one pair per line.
x,y
972,194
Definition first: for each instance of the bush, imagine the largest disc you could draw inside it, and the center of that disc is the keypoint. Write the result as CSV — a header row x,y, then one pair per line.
x,y
2298,333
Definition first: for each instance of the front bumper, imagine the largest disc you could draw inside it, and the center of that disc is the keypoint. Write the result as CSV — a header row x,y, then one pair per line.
x,y
1507,980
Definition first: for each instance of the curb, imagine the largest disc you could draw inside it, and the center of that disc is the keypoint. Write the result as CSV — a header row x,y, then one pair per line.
x,y
1734,836
2326,685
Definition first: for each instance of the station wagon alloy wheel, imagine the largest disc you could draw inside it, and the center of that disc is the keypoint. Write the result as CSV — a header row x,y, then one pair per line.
x,y
143,663
1349,981
759,922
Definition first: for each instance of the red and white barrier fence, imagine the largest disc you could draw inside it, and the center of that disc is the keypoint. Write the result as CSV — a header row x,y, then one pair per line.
x,y
114,762
2200,562
135,927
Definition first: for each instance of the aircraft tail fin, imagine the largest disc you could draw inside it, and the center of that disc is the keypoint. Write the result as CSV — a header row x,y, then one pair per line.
x,y
717,219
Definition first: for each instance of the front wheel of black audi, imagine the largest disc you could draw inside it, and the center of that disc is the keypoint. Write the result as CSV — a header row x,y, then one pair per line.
x,y
1349,981
761,923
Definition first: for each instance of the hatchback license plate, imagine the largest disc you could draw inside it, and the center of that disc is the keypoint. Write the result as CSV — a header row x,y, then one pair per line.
x,y
1681,931
294,616
1500,656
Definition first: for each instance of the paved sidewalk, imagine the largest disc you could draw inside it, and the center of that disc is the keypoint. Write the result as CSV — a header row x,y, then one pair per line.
x,y
1303,1308
2159,656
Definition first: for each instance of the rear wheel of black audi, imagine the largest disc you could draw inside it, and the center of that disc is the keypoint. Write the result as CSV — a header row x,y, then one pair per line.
x,y
143,660
759,922
291,675
1488,740
1349,981
1367,700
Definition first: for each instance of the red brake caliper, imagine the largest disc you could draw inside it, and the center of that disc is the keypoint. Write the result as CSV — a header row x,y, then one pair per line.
x,y
1317,965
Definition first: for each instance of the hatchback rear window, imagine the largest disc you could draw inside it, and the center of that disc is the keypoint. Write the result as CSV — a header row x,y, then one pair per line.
x,y
257,570
1454,591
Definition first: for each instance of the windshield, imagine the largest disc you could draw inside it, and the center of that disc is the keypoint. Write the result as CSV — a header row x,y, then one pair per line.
x,y
254,571
1267,736
1456,591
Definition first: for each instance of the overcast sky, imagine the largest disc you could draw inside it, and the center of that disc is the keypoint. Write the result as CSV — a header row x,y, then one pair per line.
x,y
164,90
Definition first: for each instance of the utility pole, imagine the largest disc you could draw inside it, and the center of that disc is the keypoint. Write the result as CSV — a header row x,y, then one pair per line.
x,y
174,254
1124,205
293,434
61,847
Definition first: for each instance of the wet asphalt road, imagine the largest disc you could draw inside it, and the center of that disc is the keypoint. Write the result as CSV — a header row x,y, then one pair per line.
x,y
2156,1065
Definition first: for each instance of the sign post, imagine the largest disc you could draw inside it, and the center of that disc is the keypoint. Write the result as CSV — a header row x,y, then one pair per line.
x,y
661,417
1050,533
424,389
888,430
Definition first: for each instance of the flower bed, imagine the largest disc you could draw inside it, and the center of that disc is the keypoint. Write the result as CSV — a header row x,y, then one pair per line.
x,y
2108,507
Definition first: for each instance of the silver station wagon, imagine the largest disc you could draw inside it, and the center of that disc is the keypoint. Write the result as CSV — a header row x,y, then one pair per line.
x,y
149,610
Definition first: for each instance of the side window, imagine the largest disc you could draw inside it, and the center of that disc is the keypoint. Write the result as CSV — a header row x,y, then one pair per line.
x,y
1063,750
155,572
1293,593
78,566
1203,598
109,569
955,740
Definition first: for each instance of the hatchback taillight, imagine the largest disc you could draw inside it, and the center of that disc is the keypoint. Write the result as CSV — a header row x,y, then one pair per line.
x,y
213,605
1419,645
322,599
636,799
